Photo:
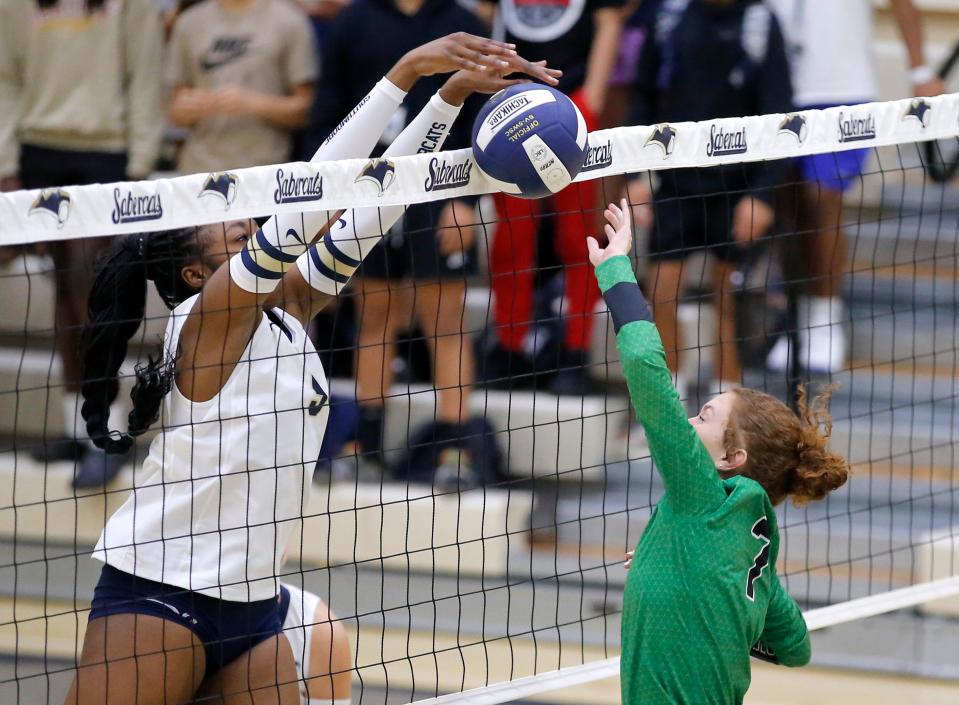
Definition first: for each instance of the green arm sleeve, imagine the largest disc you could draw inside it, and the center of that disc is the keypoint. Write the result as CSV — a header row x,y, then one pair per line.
x,y
785,639
689,474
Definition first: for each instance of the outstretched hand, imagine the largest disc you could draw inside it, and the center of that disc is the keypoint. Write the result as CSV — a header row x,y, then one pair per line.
x,y
459,50
453,52
465,82
534,69
619,232
486,61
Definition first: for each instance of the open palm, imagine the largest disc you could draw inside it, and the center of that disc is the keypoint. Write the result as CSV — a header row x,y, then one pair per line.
x,y
619,233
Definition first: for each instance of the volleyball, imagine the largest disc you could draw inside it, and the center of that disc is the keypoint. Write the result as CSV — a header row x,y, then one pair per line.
x,y
530,138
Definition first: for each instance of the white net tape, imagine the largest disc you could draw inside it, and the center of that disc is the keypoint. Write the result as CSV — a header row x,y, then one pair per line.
x,y
106,209
821,618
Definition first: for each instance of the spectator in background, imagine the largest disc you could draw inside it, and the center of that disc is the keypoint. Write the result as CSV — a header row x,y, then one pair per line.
x,y
81,102
242,74
831,48
418,273
581,39
706,59
321,14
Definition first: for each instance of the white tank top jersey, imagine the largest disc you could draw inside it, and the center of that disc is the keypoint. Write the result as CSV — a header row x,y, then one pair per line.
x,y
227,480
830,44
298,628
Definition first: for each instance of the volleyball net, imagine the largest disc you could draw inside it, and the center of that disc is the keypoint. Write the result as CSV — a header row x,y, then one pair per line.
x,y
481,561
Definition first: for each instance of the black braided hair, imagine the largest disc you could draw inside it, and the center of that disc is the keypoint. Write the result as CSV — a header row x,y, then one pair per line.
x,y
116,308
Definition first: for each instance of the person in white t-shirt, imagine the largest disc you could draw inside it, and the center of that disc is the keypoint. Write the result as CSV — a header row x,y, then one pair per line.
x,y
320,645
186,605
831,50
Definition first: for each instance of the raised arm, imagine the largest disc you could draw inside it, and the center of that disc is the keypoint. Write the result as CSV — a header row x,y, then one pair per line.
x,y
222,321
327,266
692,483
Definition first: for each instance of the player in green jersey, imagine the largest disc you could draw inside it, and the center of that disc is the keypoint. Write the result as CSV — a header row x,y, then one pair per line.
x,y
702,592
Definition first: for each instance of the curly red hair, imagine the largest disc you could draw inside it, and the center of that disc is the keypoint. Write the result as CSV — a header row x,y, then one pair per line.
x,y
786,452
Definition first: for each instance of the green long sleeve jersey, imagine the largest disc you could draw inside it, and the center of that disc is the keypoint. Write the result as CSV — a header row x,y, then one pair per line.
x,y
702,593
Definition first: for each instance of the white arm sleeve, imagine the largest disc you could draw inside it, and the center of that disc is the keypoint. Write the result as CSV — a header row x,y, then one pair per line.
x,y
357,134
359,131
329,264
284,237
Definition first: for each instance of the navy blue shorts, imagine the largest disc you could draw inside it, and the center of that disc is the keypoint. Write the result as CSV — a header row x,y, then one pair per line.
x,y
226,628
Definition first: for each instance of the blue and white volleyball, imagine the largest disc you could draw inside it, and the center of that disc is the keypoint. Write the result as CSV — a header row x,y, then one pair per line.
x,y
531,139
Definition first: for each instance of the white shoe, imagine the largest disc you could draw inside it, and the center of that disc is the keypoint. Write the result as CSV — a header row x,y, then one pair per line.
x,y
822,341
778,358
821,350
824,348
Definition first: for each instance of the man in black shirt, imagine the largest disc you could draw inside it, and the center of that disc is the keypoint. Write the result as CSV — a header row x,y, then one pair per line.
x,y
701,60
580,37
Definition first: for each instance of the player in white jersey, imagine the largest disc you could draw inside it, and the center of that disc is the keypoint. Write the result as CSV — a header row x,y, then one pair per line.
x,y
830,43
186,602
320,645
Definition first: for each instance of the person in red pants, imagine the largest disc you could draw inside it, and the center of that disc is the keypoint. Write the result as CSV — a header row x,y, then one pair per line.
x,y
581,38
